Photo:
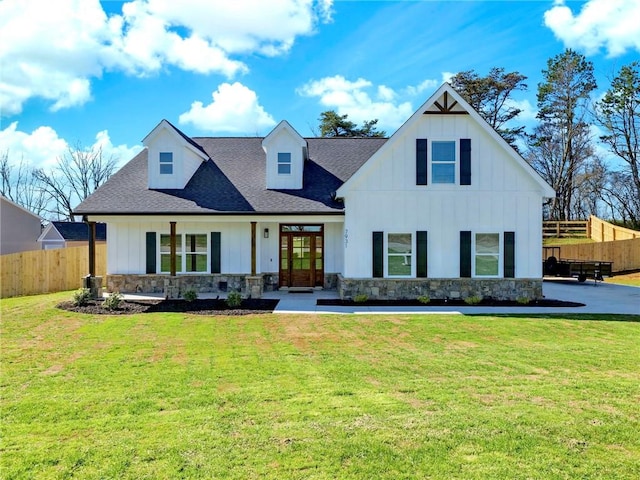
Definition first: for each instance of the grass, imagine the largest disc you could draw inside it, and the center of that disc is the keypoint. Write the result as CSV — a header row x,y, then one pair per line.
x,y
632,279
435,396
553,241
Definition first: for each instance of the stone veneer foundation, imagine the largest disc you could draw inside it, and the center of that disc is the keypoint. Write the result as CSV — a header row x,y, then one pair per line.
x,y
172,287
440,288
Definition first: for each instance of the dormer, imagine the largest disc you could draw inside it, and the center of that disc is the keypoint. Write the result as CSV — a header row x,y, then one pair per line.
x,y
286,152
173,157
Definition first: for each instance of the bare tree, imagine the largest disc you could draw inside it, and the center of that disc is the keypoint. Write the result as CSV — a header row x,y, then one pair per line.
x,y
618,113
77,174
20,186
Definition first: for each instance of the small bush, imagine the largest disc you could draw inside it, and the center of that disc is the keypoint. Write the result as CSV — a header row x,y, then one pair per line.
x,y
82,297
234,299
475,300
523,300
424,299
361,298
190,295
113,301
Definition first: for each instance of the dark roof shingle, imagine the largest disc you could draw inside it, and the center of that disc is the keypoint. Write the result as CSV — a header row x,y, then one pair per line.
x,y
233,180
79,231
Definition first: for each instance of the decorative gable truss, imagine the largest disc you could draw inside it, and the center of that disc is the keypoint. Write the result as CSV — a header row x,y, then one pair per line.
x,y
173,157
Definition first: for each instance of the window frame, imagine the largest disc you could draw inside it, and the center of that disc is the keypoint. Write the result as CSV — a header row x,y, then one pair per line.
x,y
163,162
284,160
411,255
475,255
183,253
433,161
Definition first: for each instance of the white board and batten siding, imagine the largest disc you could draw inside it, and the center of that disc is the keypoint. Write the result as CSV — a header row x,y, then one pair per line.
x,y
126,249
502,196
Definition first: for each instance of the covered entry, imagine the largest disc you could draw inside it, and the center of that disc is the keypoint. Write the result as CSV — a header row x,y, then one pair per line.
x,y
301,255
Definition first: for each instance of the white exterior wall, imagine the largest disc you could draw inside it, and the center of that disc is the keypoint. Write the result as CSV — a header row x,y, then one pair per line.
x,y
185,161
126,248
502,197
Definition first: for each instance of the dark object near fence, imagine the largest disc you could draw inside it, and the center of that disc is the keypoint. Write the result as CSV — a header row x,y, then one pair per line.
x,y
553,266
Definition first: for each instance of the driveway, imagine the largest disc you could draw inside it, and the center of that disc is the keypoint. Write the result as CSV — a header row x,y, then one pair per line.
x,y
598,298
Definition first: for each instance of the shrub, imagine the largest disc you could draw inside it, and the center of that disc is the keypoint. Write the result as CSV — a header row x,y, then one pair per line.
x,y
523,300
82,297
361,298
424,299
190,295
475,300
113,301
234,299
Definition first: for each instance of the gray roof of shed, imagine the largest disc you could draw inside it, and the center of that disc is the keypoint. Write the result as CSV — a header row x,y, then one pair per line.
x,y
233,181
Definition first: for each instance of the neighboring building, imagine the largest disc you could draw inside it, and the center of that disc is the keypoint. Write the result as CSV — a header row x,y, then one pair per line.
x,y
19,228
69,234
445,208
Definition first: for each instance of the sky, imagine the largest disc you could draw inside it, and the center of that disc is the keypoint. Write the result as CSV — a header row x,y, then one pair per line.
x,y
88,74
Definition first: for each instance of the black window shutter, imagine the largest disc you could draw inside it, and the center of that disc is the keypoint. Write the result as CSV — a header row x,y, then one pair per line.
x,y
509,254
378,254
215,252
465,254
151,252
421,252
421,161
465,161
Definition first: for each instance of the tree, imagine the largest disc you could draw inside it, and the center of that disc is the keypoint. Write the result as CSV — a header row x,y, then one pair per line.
x,y
20,186
561,143
77,174
491,97
618,113
334,125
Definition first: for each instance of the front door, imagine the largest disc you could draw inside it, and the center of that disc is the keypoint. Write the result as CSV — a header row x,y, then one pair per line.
x,y
301,255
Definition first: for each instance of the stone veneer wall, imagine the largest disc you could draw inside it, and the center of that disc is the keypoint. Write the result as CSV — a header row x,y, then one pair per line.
x,y
440,288
152,283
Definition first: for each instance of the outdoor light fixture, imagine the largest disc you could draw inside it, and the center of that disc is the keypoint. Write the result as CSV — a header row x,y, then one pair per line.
x,y
266,233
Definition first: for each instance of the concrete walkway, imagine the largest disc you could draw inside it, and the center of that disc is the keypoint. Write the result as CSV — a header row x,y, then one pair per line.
x,y
598,298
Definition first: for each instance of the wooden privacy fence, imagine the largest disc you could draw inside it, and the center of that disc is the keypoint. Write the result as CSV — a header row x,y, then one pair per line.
x,y
602,231
566,228
46,271
625,254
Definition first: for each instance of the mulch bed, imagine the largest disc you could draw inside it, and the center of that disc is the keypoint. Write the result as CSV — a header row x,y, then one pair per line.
x,y
487,302
200,307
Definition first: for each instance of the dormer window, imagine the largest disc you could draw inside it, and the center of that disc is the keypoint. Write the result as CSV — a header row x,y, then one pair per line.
x,y
284,164
166,163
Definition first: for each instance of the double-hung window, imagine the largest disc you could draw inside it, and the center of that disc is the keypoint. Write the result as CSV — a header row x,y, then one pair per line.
x,y
166,163
487,254
399,254
284,163
191,253
443,162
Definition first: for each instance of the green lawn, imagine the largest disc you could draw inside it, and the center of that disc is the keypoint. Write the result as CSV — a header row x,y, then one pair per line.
x,y
182,396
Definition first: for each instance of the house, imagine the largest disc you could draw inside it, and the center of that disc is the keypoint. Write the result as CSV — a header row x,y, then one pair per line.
x,y
69,234
444,207
19,228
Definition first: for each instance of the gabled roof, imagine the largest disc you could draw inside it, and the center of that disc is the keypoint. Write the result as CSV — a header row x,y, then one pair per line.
x,y
166,124
233,181
14,204
284,126
445,101
74,231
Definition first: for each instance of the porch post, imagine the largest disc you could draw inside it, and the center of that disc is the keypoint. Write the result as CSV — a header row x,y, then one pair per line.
x,y
173,248
92,248
253,249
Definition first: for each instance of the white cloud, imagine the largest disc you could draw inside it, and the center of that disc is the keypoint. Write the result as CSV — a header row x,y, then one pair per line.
x,y
353,99
234,108
428,85
609,24
52,49
43,146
